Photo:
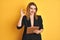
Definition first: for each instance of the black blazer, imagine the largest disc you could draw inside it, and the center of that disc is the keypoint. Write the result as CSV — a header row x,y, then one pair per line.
x,y
27,23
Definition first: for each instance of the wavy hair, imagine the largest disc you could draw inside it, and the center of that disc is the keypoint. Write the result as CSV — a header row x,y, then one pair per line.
x,y
27,10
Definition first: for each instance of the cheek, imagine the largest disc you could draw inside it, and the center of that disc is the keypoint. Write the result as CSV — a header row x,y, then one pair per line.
x,y
32,10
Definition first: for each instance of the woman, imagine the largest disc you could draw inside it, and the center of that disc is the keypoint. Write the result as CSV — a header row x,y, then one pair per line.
x,y
31,20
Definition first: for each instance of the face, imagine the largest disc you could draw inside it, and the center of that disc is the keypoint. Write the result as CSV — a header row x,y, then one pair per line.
x,y
32,9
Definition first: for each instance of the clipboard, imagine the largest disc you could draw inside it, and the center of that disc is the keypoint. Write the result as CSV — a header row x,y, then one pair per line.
x,y
31,29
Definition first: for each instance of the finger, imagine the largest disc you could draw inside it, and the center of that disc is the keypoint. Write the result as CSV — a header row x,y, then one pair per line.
x,y
34,31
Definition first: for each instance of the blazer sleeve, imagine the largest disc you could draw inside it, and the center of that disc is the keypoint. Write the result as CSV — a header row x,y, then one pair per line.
x,y
40,21
21,23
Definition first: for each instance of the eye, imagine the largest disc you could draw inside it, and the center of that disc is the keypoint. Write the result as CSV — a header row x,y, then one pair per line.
x,y
31,8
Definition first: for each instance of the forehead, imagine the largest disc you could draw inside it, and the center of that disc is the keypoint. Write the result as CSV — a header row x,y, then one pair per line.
x,y
32,6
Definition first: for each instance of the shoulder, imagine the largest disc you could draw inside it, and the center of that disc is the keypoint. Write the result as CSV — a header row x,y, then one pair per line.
x,y
24,16
39,16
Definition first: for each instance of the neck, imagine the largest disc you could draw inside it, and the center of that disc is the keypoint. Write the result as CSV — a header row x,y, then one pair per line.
x,y
31,15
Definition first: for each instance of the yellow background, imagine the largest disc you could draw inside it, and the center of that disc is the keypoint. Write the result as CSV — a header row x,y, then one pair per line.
x,y
10,14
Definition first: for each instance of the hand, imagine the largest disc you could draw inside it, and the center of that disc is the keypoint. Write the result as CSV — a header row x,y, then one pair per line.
x,y
36,31
22,13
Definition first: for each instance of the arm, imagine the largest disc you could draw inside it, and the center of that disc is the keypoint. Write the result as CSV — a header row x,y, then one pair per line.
x,y
40,24
21,20
20,23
